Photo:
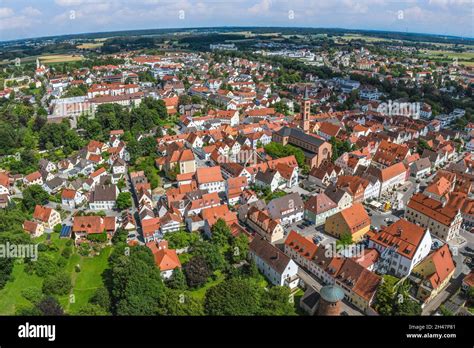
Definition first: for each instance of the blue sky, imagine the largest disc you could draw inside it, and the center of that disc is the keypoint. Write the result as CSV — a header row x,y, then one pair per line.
x,y
28,18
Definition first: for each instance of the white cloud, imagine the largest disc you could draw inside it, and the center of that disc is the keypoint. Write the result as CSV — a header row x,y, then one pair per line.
x,y
5,12
31,11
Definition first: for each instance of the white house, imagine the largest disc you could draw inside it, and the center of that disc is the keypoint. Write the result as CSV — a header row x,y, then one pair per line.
x,y
277,267
401,245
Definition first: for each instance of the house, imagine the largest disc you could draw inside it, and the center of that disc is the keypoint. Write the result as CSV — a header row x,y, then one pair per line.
x,y
234,188
390,177
443,221
4,184
433,274
318,208
300,249
420,168
328,130
468,282
54,185
211,215
270,179
119,166
389,153
339,196
48,217
402,245
170,222
165,259
103,197
33,228
259,221
278,268
359,284
34,178
324,175
72,198
353,221
210,178
84,226
353,185
288,209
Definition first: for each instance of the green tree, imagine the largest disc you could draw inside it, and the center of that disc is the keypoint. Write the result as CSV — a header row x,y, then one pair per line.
x,y
177,280
236,296
178,303
130,295
277,301
34,195
124,200
59,284
385,295
221,234
197,271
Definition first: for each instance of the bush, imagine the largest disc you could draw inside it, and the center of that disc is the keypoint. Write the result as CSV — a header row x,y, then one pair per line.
x,y
59,284
34,295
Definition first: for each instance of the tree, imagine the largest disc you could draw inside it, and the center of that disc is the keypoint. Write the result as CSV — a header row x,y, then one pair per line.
x,y
278,150
277,301
344,240
385,295
339,147
181,239
101,298
34,195
197,271
130,295
211,253
59,284
49,306
124,200
177,303
239,248
177,280
90,309
221,234
236,296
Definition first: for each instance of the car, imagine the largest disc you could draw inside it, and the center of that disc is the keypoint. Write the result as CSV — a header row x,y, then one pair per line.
x,y
469,249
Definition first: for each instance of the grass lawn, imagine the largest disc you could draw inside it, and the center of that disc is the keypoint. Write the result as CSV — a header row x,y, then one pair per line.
x,y
84,282
87,281
10,295
199,293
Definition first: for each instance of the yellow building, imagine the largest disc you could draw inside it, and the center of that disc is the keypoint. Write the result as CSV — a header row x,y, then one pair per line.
x,y
433,274
353,220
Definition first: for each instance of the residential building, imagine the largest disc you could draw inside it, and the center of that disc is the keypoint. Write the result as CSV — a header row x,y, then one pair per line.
x,y
443,221
353,221
402,245
278,268
433,274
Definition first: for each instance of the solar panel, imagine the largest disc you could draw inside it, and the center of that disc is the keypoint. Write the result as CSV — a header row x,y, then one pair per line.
x,y
65,231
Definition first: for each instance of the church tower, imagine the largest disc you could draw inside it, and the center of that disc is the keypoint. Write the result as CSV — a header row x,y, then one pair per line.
x,y
305,111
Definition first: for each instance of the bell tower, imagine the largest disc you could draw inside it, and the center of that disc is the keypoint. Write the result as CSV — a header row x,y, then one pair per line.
x,y
305,111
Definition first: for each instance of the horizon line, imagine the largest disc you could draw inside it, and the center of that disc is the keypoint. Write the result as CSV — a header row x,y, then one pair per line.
x,y
446,36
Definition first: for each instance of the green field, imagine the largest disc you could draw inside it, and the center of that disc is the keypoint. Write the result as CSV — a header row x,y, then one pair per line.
x,y
84,282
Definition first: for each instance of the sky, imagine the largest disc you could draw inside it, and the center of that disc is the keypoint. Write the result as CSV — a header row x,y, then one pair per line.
x,y
29,18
